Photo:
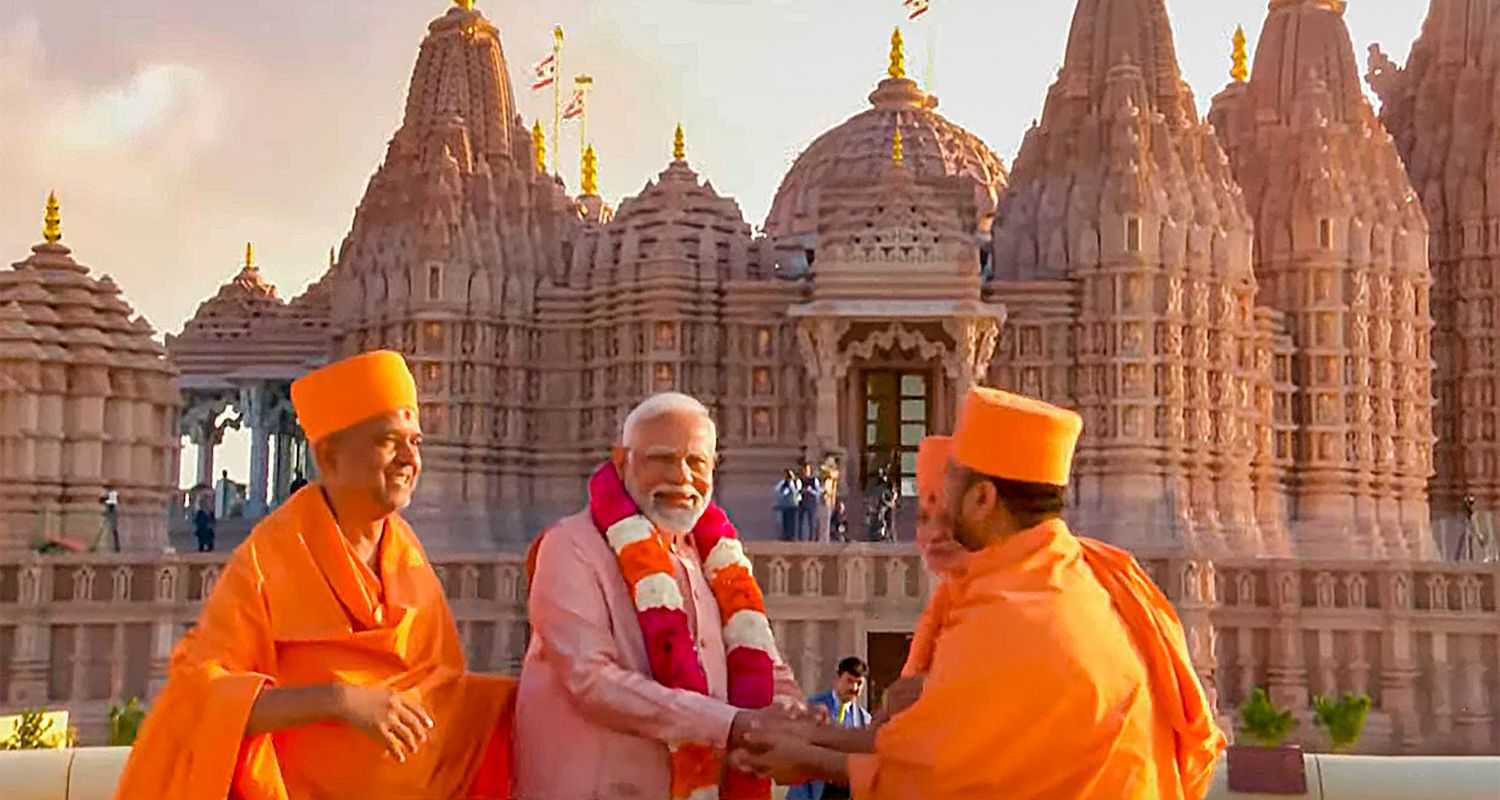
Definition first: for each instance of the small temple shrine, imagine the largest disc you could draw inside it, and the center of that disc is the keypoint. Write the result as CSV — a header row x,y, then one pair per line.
x,y
88,409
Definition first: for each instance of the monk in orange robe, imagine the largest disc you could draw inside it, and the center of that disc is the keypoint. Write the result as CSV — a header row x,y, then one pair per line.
x,y
1059,670
326,663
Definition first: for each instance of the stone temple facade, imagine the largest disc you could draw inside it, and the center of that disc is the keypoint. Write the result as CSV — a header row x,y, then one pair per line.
x,y
88,406
1256,310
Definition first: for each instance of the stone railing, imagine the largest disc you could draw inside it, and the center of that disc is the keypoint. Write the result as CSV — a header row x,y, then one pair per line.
x,y
1423,640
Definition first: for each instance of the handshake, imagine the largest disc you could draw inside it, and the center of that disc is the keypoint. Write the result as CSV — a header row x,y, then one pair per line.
x,y
791,743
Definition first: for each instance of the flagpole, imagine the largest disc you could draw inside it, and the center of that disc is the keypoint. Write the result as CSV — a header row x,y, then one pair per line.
x,y
583,84
557,45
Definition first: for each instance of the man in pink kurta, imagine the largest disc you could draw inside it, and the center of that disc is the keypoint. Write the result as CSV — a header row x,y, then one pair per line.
x,y
591,721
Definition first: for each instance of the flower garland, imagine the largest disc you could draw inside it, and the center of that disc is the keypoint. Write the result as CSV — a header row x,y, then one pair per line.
x,y
698,771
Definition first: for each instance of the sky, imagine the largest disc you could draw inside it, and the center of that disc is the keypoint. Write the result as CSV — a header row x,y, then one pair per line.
x,y
174,132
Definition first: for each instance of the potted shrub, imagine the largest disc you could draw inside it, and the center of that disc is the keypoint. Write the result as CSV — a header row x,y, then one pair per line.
x,y
1343,719
125,722
1268,766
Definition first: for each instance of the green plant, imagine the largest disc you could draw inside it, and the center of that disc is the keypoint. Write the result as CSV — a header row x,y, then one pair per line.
x,y
125,722
1344,718
1263,722
34,732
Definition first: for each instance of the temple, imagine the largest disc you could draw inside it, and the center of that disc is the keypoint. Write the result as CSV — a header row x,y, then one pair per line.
x,y
1238,304
1278,320
88,409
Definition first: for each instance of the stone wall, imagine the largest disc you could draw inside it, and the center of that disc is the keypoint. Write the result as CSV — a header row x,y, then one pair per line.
x,y
1422,639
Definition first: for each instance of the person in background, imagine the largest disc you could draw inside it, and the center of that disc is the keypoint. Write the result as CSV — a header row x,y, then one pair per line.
x,y
297,483
223,493
838,522
203,525
844,711
788,494
809,497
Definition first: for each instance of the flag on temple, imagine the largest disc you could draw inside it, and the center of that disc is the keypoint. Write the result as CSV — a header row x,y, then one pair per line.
x,y
916,8
545,72
575,106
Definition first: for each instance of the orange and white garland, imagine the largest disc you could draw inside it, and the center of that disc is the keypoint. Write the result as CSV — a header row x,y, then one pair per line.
x,y
698,769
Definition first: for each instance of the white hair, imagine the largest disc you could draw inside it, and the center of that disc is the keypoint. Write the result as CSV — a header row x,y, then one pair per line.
x,y
658,405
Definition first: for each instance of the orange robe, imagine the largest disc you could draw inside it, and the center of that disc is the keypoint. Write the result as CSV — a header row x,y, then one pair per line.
x,y
295,607
924,638
1060,671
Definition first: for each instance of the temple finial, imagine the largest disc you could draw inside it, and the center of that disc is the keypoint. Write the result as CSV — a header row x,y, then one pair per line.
x,y
898,55
52,220
539,144
1240,72
467,5
679,145
898,148
590,172
249,256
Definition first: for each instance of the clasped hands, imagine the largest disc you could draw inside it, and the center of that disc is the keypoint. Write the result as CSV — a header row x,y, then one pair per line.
x,y
769,741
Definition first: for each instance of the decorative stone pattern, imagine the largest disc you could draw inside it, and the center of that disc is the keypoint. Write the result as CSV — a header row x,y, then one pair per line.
x,y
1341,249
88,405
1443,109
1419,640
1123,245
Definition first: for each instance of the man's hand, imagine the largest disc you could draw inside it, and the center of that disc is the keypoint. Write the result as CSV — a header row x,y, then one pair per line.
x,y
787,760
783,716
389,717
903,694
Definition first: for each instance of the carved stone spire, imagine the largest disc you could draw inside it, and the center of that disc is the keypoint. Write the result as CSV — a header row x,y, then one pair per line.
x,y
1341,251
1443,109
1122,198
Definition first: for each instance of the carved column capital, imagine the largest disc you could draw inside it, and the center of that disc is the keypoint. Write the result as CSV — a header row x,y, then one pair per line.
x,y
818,340
975,339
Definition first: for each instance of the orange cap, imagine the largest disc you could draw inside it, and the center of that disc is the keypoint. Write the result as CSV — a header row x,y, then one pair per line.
x,y
932,467
1008,436
346,393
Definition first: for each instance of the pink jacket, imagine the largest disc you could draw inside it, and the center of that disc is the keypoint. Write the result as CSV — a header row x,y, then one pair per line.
x,y
591,722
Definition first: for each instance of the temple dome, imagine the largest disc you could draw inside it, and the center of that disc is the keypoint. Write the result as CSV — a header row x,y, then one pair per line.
x,y
861,148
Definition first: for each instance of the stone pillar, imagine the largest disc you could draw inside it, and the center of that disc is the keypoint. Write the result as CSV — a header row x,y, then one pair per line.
x,y
818,339
975,339
283,468
255,404
1399,669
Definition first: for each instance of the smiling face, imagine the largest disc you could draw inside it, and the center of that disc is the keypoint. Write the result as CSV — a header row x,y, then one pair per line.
x,y
374,464
940,550
668,469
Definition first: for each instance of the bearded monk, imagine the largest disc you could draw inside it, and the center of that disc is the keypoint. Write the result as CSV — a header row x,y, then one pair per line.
x,y
326,662
1059,669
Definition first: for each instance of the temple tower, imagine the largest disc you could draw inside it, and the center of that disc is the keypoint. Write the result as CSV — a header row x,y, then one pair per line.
x,y
454,232
1123,249
88,406
1341,250
1443,109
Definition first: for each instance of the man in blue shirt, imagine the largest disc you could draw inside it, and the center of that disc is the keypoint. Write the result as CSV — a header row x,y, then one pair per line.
x,y
844,710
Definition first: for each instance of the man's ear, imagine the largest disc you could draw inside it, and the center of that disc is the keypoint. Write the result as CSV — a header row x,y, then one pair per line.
x,y
322,453
617,455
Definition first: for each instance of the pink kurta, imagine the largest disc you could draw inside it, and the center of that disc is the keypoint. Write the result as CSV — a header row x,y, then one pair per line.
x,y
591,722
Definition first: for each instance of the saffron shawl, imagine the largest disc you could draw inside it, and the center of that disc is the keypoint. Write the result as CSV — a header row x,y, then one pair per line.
x,y
698,770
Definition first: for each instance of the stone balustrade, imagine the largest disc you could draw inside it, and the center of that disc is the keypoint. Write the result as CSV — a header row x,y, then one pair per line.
x,y
1422,639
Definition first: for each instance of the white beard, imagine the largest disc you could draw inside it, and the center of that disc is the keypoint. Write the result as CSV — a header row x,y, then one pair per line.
x,y
676,521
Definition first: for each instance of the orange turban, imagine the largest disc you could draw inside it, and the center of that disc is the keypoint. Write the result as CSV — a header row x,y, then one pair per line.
x,y
1008,436
932,467
346,393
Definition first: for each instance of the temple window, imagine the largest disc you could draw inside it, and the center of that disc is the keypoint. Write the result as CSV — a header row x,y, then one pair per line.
x,y
1133,235
665,377
762,381
1325,234
666,336
763,343
434,282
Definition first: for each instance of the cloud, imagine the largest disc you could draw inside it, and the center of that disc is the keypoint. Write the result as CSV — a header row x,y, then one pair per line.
x,y
174,101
